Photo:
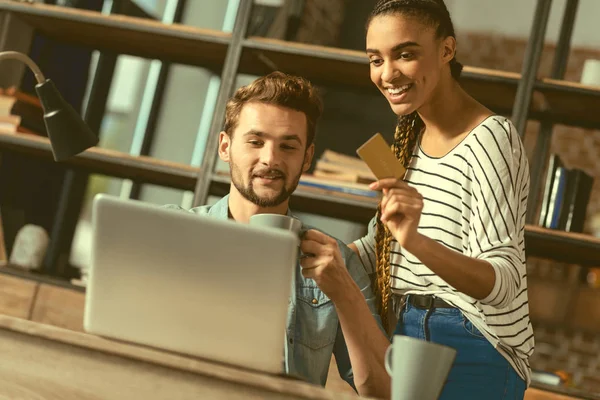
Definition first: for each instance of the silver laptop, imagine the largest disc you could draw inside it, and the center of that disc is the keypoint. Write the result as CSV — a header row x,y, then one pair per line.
x,y
189,283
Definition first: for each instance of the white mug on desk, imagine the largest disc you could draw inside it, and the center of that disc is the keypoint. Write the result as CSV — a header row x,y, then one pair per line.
x,y
418,368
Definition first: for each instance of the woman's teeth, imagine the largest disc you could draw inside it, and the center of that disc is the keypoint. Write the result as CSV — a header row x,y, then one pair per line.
x,y
398,90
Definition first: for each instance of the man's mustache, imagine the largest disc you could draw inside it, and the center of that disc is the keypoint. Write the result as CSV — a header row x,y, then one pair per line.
x,y
270,172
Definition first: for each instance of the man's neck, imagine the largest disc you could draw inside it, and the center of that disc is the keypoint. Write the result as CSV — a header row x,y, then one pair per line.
x,y
241,209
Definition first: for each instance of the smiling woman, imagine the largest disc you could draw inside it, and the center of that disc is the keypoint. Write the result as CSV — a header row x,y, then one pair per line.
x,y
447,243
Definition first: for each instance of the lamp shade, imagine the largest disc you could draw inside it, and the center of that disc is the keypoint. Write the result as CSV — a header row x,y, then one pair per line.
x,y
68,133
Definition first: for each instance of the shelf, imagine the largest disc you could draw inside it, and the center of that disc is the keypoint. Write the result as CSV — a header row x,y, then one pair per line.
x,y
333,66
570,103
553,100
558,101
562,246
573,248
316,201
319,64
107,162
125,35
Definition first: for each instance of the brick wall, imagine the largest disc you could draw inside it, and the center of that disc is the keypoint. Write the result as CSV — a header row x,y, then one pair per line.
x,y
566,319
321,22
578,148
566,316
576,353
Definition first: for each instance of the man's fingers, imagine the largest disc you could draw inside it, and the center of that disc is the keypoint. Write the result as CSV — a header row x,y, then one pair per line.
x,y
311,247
309,273
318,237
310,262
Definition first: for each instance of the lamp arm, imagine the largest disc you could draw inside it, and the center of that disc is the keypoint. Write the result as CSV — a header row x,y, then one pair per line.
x,y
7,55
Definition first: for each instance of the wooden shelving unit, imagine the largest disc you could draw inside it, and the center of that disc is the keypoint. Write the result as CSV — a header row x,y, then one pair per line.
x,y
541,242
107,162
570,103
561,101
125,35
568,247
553,100
317,201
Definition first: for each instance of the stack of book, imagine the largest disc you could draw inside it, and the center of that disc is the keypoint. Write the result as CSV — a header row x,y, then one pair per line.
x,y
8,121
20,112
566,196
340,174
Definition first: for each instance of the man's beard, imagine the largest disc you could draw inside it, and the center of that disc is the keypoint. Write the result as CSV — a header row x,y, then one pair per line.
x,y
248,191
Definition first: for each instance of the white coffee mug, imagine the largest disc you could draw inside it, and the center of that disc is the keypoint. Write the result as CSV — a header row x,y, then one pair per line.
x,y
277,221
418,368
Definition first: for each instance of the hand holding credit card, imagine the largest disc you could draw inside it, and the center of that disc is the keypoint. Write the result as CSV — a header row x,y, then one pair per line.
x,y
380,159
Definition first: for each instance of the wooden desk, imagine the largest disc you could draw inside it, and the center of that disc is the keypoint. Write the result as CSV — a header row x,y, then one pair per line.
x,y
45,362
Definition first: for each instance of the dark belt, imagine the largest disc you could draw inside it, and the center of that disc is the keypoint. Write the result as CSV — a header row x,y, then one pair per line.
x,y
427,301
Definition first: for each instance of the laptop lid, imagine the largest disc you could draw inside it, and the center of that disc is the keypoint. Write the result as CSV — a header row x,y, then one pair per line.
x,y
189,283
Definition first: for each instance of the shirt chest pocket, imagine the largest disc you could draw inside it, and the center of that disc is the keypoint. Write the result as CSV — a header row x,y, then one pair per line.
x,y
316,319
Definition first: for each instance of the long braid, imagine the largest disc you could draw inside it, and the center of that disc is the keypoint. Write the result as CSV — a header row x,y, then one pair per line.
x,y
405,140
434,13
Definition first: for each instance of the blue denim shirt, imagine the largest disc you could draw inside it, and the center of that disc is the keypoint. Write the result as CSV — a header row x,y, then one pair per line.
x,y
313,331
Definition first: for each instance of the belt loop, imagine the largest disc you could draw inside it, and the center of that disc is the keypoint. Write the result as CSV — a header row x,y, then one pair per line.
x,y
426,323
403,301
399,305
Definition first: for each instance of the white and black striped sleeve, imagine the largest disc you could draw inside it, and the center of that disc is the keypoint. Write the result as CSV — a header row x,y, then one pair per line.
x,y
498,169
366,247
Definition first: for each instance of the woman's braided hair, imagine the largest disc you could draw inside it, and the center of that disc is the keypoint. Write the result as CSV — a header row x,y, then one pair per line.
x,y
408,128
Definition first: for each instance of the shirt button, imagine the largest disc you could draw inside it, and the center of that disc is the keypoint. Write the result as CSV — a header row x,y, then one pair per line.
x,y
315,301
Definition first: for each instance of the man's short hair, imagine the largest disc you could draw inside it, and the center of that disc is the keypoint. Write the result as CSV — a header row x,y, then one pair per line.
x,y
279,89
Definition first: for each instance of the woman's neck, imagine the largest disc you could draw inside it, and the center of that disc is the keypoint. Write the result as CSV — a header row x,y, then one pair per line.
x,y
451,111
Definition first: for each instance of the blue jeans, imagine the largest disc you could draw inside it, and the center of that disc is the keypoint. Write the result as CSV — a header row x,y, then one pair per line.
x,y
479,370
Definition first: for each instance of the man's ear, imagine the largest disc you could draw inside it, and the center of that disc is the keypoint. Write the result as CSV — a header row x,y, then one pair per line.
x,y
224,146
448,49
308,156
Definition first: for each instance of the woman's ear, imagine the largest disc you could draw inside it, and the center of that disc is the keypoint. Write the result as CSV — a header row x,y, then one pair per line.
x,y
448,49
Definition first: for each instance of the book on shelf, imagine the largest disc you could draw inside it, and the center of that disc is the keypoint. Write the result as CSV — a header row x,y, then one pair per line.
x,y
553,163
355,189
577,197
20,112
341,167
338,173
566,196
8,121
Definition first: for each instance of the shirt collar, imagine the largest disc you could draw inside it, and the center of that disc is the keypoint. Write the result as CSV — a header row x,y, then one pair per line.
x,y
220,209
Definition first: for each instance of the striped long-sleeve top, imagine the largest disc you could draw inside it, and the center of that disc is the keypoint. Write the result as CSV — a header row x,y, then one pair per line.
x,y
475,200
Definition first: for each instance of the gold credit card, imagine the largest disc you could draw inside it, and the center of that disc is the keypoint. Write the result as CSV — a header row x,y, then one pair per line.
x,y
380,158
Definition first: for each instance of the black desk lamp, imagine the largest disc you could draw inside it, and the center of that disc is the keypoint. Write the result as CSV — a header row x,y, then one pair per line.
x,y
67,132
